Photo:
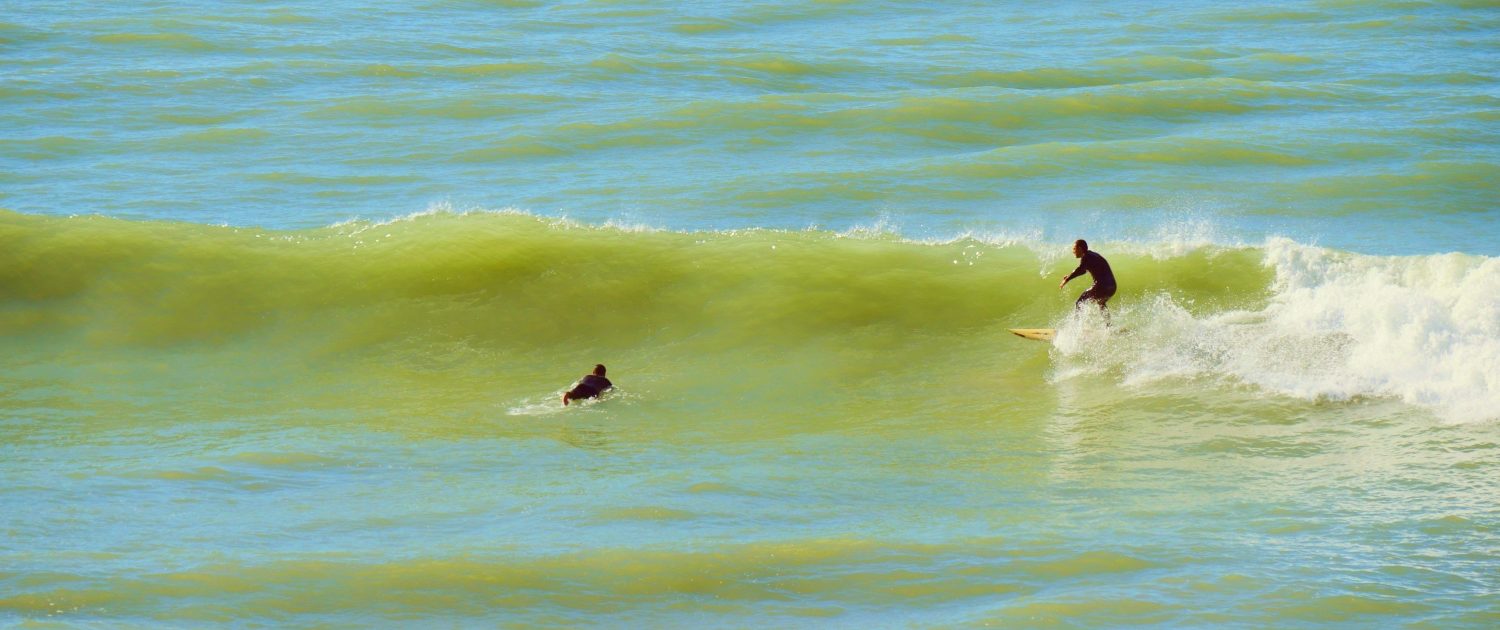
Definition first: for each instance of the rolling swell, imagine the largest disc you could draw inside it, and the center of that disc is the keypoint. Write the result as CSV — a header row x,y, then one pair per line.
x,y
511,279
873,576
440,290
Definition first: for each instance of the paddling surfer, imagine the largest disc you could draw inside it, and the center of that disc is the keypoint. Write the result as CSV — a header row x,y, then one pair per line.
x,y
590,386
1097,267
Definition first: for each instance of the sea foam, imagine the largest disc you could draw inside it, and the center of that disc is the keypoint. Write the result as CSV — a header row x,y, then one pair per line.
x,y
1335,326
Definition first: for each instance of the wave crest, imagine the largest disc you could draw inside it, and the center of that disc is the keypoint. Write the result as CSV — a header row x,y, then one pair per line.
x,y
1290,318
1335,326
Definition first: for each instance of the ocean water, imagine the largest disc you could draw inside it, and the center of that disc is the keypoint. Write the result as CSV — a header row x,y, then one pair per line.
x,y
289,293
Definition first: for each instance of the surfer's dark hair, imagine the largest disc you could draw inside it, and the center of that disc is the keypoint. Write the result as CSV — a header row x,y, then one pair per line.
x,y
1081,243
599,369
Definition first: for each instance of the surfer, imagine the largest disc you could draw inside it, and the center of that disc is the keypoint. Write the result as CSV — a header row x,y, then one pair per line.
x,y
1098,268
589,386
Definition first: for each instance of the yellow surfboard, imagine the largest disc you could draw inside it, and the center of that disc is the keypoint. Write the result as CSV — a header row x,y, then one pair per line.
x,y
1039,334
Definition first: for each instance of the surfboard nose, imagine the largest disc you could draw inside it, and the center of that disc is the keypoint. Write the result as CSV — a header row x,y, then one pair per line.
x,y
1038,334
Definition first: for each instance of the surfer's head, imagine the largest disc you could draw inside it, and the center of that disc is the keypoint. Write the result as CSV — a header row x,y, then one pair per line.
x,y
599,369
1080,247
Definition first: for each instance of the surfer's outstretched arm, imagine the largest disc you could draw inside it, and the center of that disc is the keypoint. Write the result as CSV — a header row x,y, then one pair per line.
x,y
1076,272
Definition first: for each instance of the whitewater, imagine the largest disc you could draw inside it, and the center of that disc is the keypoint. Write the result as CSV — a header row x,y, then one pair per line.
x,y
288,296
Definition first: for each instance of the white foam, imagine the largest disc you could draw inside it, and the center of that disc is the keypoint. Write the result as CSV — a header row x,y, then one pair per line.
x,y
1337,326
537,408
882,227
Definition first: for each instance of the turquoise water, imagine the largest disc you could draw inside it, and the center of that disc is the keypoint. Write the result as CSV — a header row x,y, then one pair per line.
x,y
1335,121
289,295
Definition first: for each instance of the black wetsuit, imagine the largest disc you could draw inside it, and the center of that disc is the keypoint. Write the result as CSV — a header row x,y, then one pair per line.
x,y
1104,279
589,387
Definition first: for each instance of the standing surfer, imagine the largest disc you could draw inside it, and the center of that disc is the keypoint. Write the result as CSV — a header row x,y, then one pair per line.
x,y
1098,268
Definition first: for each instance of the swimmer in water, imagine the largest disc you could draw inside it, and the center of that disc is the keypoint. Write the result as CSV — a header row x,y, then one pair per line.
x,y
589,386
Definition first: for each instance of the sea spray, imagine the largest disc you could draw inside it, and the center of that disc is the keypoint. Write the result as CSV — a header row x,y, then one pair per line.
x,y
1335,326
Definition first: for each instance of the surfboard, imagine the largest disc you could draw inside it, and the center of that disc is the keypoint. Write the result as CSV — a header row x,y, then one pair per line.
x,y
1039,334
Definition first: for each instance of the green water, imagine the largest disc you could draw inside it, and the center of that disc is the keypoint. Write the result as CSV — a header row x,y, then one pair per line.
x,y
289,295
360,424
